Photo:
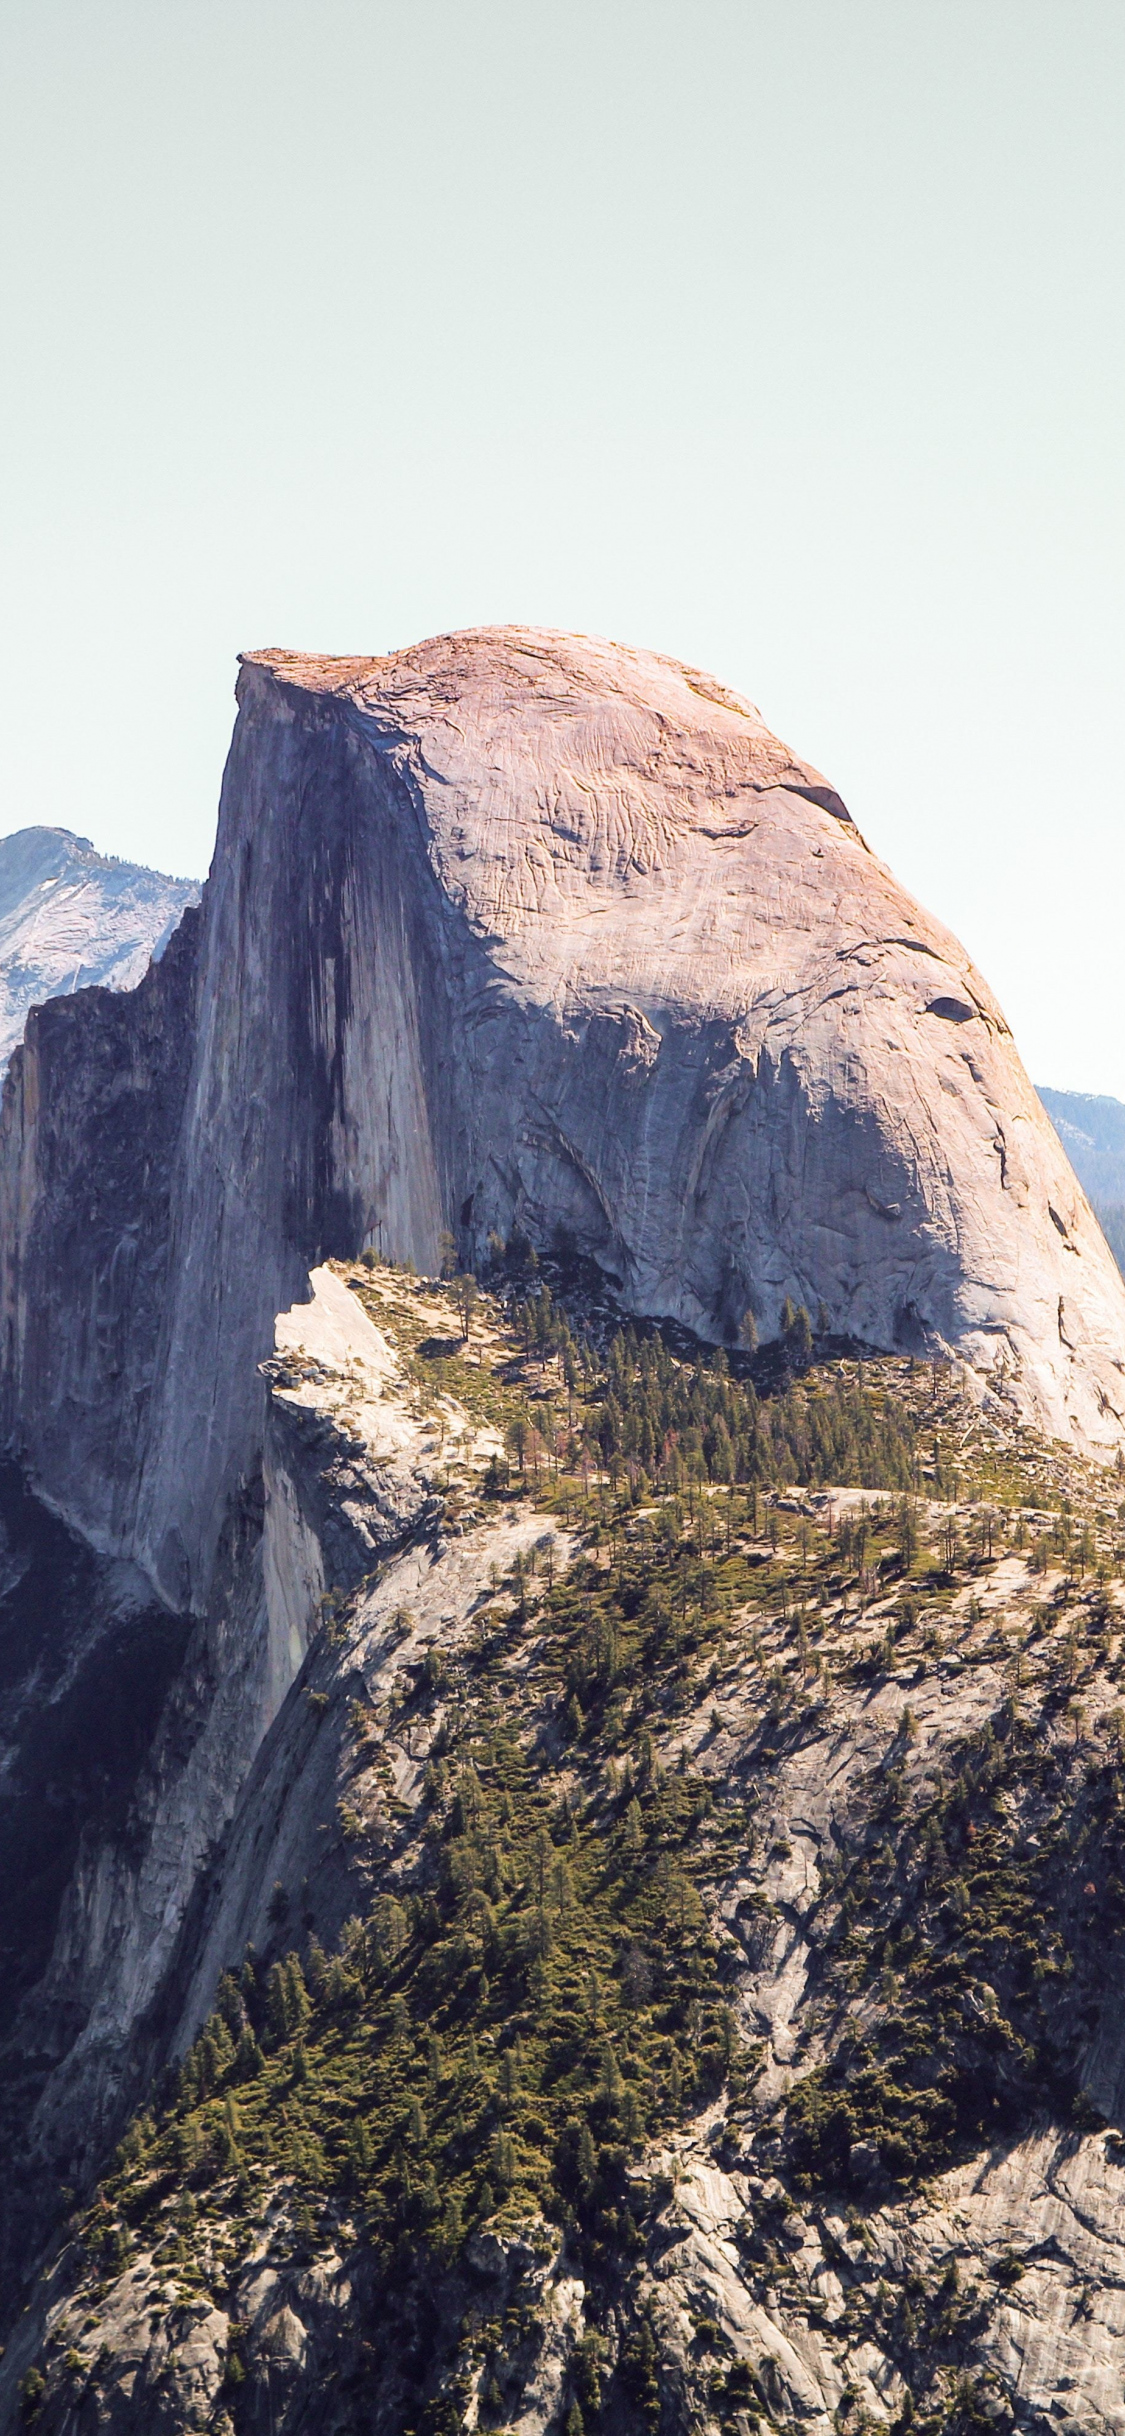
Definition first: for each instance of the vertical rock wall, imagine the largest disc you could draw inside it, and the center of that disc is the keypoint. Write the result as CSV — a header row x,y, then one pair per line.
x,y
518,929
511,930
321,1071
92,1112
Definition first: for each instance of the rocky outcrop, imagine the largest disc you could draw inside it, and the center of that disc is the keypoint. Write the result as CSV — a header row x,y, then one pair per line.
x,y
94,1104
88,1659
642,982
1092,1133
516,930
102,1907
516,936
249,2290
70,917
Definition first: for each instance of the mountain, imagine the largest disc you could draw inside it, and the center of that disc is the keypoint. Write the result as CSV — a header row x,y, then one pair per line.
x,y
1092,1132
559,1871
70,916
662,1970
514,930
1091,1128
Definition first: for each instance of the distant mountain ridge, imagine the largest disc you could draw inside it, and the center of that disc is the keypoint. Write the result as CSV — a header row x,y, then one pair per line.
x,y
483,1940
1091,1127
70,916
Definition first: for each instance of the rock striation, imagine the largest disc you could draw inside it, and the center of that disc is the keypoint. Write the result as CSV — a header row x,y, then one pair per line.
x,y
70,917
518,930
649,987
949,2292
514,935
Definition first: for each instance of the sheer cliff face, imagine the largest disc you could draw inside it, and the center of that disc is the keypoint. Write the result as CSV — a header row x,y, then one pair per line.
x,y
92,1113
520,928
512,930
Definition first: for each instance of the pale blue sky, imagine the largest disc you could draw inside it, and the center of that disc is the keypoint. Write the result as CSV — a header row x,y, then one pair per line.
x,y
785,336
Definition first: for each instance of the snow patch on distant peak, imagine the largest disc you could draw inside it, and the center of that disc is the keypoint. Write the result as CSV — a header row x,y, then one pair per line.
x,y
71,917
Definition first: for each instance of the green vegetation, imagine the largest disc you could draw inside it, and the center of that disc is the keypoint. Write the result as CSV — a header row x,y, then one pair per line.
x,y
498,2039
988,1955
658,1422
536,1992
533,1996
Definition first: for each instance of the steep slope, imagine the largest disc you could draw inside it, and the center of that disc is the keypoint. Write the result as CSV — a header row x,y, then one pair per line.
x,y
1091,1128
687,1016
521,930
666,1954
1092,1132
70,916
513,939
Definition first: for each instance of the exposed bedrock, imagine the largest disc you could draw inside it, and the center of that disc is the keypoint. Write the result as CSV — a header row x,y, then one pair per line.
x,y
70,917
514,929
510,930
93,1110
518,928
130,1739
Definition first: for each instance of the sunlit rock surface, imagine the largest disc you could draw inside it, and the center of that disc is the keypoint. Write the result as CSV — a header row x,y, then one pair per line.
x,y
70,916
512,932
517,929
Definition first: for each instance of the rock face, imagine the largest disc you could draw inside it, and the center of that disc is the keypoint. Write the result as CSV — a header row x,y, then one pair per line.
x,y
908,1866
649,986
1091,1128
513,934
1092,1133
521,930
70,916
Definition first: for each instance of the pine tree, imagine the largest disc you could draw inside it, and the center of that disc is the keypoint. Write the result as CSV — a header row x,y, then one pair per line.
x,y
612,2085
299,2006
562,1886
226,2138
388,1929
221,2045
277,2004
249,2059
503,2157
229,2004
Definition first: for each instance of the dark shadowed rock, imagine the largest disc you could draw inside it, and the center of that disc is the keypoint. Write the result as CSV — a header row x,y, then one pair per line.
x,y
521,929
512,932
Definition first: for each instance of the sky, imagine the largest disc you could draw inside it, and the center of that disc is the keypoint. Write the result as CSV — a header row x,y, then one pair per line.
x,y
785,336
